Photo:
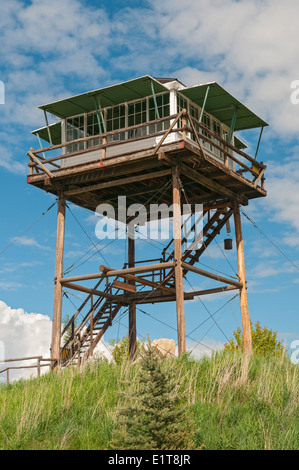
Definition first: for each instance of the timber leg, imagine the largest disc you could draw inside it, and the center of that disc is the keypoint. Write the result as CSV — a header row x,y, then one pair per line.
x,y
57,307
242,278
178,258
132,306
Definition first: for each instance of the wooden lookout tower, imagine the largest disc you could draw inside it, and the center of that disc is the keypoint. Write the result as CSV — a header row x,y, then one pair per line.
x,y
132,139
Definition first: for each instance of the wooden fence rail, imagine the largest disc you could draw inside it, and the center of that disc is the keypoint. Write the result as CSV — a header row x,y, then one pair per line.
x,y
38,365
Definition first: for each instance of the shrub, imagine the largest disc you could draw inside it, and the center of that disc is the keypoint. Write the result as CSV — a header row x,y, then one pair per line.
x,y
264,340
120,350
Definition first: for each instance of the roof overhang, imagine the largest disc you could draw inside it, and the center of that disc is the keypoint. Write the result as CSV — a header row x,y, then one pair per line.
x,y
110,96
55,132
222,104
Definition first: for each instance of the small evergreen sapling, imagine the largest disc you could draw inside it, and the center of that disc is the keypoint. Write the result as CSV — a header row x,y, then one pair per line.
x,y
155,417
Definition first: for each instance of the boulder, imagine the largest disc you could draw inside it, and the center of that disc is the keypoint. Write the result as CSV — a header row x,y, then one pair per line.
x,y
166,347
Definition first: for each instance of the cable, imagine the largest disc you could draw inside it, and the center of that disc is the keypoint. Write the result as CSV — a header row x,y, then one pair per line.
x,y
206,308
169,326
17,238
206,249
89,238
226,258
266,236
226,303
164,189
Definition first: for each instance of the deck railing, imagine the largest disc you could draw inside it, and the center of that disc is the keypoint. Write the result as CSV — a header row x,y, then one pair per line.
x,y
190,129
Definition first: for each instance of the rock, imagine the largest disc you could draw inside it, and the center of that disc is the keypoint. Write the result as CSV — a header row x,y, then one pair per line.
x,y
166,347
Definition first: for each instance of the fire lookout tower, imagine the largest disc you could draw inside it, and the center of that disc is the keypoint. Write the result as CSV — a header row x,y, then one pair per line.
x,y
132,139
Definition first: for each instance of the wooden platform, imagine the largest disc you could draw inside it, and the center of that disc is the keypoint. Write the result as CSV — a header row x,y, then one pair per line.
x,y
138,175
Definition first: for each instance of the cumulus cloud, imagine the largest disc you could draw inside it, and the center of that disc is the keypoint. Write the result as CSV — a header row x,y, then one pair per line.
x,y
23,335
251,46
204,348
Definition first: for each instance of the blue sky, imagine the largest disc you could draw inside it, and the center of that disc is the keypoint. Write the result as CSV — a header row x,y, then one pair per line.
x,y
57,49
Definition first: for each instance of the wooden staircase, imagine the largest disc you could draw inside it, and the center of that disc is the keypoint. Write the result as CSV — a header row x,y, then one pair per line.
x,y
191,254
99,315
83,339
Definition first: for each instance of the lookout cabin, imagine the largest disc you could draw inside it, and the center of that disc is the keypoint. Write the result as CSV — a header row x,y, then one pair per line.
x,y
138,120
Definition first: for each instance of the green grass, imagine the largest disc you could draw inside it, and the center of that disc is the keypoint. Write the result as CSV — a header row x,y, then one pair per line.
x,y
237,404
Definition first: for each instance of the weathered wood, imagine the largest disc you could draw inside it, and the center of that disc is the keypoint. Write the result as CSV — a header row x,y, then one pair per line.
x,y
124,286
82,277
40,164
106,134
149,298
260,176
178,271
132,306
88,290
211,184
57,307
224,142
182,113
242,277
216,277
119,182
137,269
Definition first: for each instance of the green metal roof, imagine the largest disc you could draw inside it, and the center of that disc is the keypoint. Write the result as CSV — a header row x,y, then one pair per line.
x,y
127,91
221,104
55,130
239,144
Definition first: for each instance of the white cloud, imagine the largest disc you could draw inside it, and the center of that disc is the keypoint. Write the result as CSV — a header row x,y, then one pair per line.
x,y
23,335
30,241
206,347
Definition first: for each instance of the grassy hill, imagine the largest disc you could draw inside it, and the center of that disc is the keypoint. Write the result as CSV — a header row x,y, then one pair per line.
x,y
237,404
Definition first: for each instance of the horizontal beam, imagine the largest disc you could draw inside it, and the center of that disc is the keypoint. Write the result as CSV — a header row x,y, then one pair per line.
x,y
211,184
109,272
119,182
82,277
124,286
216,277
151,297
87,290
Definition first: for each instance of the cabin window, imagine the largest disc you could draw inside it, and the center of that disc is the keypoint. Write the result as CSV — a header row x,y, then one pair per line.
x,y
92,129
217,130
163,111
116,119
137,115
75,130
194,112
206,120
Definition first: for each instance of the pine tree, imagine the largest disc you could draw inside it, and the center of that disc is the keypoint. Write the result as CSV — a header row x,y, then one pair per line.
x,y
155,418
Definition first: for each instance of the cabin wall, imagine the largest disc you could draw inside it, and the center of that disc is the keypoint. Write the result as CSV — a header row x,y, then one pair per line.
x,y
176,102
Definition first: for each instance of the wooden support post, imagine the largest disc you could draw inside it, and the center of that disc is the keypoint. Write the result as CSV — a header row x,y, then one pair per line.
x,y
178,257
57,308
242,278
38,367
91,326
132,306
